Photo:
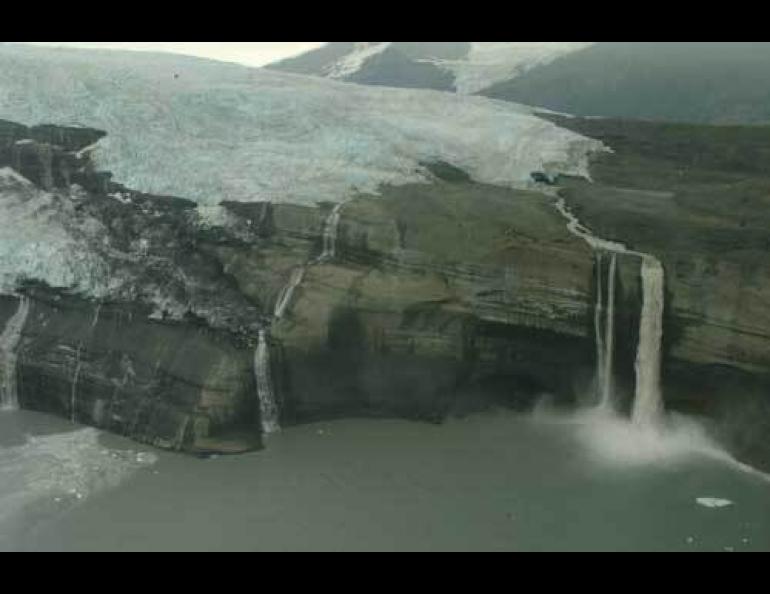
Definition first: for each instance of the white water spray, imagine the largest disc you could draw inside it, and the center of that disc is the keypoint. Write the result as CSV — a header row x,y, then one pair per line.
x,y
9,354
648,401
268,408
329,251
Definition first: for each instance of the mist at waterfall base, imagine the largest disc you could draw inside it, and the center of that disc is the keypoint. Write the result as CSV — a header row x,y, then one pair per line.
x,y
496,480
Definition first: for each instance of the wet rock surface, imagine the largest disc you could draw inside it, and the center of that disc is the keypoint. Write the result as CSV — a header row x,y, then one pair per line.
x,y
697,197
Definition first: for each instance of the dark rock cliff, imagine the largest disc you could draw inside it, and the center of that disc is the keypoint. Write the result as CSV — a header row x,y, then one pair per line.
x,y
439,299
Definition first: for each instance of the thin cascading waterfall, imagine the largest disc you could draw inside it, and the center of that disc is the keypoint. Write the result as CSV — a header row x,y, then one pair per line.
x,y
9,355
75,379
598,334
331,227
609,337
268,408
648,401
286,294
265,392
329,251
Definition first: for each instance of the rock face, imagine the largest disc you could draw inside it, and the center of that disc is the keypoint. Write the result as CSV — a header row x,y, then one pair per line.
x,y
438,298
426,300
162,352
173,385
437,291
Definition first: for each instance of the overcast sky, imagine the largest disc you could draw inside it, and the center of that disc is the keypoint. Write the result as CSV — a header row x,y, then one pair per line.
x,y
251,53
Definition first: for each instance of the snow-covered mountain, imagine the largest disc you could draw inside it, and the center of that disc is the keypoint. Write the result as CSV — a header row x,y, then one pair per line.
x,y
465,66
212,132
716,82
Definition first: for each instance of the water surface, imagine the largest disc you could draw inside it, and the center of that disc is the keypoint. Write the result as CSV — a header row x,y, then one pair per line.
x,y
494,481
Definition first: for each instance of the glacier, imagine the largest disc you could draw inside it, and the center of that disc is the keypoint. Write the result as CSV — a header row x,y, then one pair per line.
x,y
43,239
212,131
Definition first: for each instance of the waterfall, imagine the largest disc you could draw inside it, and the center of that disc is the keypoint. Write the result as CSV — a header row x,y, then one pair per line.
x,y
598,336
331,226
267,404
609,338
268,408
648,401
75,378
45,153
9,354
284,298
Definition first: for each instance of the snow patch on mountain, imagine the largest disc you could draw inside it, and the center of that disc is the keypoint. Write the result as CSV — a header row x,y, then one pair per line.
x,y
490,62
352,62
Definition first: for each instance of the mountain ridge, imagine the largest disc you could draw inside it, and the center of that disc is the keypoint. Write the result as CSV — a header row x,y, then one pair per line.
x,y
462,66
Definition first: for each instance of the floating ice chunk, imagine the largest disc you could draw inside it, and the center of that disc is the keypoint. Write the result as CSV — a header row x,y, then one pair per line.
x,y
713,502
146,458
9,176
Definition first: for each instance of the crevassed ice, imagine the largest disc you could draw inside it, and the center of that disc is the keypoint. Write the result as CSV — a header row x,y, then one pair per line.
x,y
212,132
40,241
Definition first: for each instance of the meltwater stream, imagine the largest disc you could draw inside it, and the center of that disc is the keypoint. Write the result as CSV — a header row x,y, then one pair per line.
x,y
268,407
608,358
269,412
648,400
331,228
648,403
9,344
